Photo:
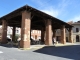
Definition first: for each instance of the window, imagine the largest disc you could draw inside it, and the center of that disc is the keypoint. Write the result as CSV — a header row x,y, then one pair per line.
x,y
77,29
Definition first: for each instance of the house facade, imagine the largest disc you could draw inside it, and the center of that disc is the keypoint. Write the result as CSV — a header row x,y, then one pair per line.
x,y
76,31
75,35
36,34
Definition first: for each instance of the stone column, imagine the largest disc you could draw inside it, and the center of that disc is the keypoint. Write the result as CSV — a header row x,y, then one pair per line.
x,y
4,32
25,30
54,33
70,35
63,37
42,35
13,33
48,33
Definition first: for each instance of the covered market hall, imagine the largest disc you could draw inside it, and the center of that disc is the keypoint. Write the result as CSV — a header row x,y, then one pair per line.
x,y
29,18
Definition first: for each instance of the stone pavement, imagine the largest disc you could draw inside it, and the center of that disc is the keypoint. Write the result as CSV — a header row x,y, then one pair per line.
x,y
56,45
67,52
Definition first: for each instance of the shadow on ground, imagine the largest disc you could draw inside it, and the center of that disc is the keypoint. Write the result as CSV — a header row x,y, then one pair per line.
x,y
9,45
70,52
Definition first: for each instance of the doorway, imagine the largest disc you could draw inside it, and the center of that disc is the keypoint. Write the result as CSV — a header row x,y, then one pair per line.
x,y
77,38
67,39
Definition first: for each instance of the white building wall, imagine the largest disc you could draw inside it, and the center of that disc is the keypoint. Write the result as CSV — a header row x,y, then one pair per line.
x,y
9,30
74,31
18,31
74,28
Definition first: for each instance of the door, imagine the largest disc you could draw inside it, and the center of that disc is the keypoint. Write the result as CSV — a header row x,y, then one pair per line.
x,y
77,38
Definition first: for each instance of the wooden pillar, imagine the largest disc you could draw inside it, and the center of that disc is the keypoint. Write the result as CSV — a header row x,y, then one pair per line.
x,y
4,32
70,35
25,30
63,37
48,33
13,33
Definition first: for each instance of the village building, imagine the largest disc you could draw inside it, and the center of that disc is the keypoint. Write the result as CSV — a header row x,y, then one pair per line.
x,y
76,31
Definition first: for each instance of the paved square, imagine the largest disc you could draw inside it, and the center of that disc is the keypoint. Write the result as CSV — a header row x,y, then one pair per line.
x,y
71,52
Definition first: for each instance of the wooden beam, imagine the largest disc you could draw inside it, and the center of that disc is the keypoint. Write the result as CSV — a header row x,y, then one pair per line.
x,y
13,15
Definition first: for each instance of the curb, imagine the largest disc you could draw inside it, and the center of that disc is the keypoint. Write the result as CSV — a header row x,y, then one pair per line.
x,y
24,48
31,48
64,44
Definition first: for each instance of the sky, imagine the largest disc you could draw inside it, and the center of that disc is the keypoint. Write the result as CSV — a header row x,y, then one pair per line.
x,y
65,10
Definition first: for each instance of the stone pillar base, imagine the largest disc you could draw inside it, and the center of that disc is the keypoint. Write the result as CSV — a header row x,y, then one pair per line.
x,y
48,42
71,41
24,44
63,42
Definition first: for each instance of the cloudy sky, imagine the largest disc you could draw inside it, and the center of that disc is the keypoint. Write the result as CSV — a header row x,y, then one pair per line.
x,y
66,10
